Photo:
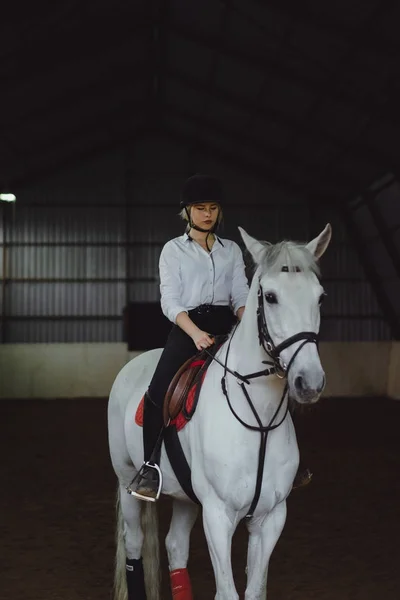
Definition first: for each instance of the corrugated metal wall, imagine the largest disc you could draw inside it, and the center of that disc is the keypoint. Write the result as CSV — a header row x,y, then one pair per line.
x,y
81,244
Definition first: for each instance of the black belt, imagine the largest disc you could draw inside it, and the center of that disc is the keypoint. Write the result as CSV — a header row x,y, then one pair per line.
x,y
209,308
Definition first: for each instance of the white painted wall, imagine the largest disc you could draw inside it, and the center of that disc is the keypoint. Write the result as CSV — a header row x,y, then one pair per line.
x,y
356,368
88,370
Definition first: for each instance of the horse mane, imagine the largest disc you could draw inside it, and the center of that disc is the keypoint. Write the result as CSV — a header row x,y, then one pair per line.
x,y
293,255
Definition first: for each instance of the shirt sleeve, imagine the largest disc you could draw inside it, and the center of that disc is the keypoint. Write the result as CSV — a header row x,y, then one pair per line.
x,y
240,286
170,283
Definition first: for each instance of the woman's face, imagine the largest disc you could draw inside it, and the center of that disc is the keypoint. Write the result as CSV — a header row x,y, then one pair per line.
x,y
204,215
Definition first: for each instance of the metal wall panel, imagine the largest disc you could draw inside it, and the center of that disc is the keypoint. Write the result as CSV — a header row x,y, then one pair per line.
x,y
144,292
143,261
352,329
379,258
58,300
67,224
66,256
82,244
392,289
350,298
341,263
351,310
66,262
372,213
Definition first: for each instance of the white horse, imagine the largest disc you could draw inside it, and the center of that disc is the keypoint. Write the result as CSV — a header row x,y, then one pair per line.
x,y
240,445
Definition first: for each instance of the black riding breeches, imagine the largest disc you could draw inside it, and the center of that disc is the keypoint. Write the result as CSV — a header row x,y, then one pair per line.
x,y
215,320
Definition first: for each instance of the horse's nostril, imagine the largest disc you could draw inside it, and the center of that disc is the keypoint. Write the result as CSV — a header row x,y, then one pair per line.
x,y
299,383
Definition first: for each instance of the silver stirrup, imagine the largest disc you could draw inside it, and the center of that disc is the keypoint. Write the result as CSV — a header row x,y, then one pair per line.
x,y
146,465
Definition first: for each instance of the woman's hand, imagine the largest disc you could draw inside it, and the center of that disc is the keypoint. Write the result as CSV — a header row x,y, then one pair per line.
x,y
202,339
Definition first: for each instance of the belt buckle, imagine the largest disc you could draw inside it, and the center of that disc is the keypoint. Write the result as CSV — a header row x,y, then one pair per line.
x,y
203,308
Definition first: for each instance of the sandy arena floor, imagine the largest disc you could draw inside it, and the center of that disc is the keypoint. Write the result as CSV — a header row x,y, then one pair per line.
x,y
342,535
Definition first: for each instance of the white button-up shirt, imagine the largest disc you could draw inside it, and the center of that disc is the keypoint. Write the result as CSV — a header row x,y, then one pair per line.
x,y
190,276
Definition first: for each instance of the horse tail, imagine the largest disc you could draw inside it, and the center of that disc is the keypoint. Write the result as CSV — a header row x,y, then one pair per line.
x,y
120,586
150,553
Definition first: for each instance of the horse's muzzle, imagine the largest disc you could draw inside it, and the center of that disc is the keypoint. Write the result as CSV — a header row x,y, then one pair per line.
x,y
307,391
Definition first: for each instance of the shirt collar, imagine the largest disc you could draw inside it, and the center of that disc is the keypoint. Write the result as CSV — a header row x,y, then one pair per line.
x,y
187,238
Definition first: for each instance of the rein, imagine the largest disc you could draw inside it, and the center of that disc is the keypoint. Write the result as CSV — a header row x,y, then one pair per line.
x,y
276,367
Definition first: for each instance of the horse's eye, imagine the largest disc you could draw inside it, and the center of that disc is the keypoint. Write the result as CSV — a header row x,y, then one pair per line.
x,y
322,298
271,298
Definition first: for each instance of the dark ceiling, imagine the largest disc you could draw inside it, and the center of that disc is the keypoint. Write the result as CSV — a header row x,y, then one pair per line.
x,y
305,94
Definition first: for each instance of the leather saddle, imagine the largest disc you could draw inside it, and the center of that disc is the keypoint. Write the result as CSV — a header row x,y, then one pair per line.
x,y
179,388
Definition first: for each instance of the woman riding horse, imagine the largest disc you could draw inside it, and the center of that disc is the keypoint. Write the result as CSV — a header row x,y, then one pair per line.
x,y
203,291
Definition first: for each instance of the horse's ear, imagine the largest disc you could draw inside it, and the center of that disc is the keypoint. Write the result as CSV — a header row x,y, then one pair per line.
x,y
255,248
318,245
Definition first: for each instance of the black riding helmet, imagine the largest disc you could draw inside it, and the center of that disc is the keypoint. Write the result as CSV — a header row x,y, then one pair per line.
x,y
201,188
198,189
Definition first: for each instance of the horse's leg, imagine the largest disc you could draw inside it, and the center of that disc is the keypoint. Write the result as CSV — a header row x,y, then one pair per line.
x,y
219,527
264,533
177,543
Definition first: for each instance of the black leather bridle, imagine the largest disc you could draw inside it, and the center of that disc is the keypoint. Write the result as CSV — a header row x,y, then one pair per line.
x,y
276,367
268,344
